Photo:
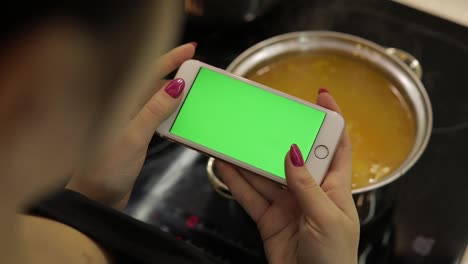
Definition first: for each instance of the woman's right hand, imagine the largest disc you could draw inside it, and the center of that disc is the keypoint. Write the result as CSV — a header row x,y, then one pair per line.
x,y
305,223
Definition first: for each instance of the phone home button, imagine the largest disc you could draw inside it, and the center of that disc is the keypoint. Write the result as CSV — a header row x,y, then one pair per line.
x,y
321,152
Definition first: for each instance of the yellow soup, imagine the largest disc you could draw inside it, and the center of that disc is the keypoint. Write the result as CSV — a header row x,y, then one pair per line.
x,y
379,121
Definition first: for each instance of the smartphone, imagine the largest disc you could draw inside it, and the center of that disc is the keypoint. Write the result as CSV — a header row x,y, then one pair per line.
x,y
250,125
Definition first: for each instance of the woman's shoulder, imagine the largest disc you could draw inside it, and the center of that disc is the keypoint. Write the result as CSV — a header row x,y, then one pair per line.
x,y
48,241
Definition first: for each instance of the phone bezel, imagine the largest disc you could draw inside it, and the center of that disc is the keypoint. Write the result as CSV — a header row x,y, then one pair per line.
x,y
329,134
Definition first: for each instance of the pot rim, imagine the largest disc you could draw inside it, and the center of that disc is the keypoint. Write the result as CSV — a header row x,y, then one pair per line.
x,y
418,149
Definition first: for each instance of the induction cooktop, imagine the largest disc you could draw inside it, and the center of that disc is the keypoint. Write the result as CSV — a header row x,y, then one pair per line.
x,y
428,222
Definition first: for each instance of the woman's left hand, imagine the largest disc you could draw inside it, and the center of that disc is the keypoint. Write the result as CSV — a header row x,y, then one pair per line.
x,y
110,180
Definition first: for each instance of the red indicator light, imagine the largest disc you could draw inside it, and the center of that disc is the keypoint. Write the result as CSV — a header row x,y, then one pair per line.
x,y
192,221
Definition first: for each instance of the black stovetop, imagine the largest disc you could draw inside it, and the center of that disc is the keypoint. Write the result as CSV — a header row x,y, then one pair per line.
x,y
429,223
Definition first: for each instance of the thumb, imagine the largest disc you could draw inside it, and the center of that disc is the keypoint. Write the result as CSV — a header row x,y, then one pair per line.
x,y
310,197
158,108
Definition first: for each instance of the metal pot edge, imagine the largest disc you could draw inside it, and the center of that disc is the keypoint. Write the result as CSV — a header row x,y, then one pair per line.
x,y
414,156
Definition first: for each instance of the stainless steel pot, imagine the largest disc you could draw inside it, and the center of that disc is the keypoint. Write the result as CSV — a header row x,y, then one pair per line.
x,y
401,67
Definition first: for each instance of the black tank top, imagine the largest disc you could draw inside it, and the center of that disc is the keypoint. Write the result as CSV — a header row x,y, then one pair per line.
x,y
126,239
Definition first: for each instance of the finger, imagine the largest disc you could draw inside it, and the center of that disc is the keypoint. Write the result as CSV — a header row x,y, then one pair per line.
x,y
266,187
157,109
174,58
340,170
310,197
342,163
252,201
325,99
337,183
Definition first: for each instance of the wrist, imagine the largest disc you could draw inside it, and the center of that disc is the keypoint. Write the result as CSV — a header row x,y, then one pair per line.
x,y
100,194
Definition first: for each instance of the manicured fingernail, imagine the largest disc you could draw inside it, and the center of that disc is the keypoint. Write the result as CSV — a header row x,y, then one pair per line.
x,y
195,44
175,87
296,156
323,90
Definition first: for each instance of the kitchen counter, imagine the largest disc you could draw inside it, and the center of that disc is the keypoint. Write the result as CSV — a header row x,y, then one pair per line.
x,y
453,10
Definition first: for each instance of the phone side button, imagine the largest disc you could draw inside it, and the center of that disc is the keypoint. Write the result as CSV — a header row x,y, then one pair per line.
x,y
321,152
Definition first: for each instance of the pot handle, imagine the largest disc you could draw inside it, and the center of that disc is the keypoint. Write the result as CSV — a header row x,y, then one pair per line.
x,y
366,205
217,184
408,59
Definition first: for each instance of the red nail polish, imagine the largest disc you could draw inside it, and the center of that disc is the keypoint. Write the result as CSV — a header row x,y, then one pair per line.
x,y
175,87
194,43
323,90
296,156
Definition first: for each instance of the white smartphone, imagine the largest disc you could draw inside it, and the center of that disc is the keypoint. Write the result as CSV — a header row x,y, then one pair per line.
x,y
250,125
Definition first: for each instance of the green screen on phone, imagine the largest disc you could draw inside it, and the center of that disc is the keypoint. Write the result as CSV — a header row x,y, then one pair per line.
x,y
245,122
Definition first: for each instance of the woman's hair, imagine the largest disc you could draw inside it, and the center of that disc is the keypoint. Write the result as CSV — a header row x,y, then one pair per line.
x,y
18,16
116,28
